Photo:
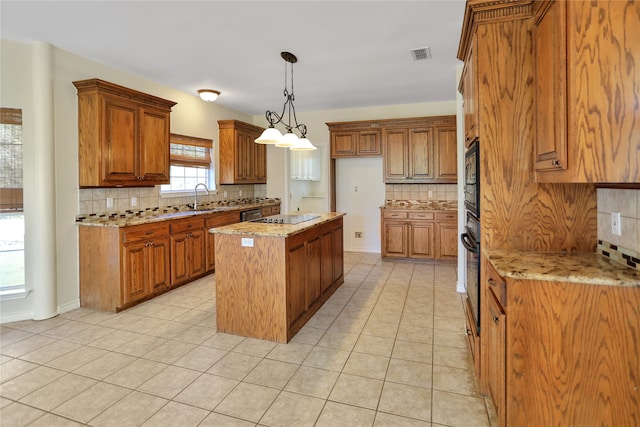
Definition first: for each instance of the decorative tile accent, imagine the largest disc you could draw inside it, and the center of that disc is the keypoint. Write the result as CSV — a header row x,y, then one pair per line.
x,y
619,255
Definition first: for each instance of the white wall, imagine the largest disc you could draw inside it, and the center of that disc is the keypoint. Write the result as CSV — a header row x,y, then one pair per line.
x,y
191,116
362,209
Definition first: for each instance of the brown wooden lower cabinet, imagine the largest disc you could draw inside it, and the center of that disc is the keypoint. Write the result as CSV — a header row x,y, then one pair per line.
x,y
560,353
419,234
122,266
188,260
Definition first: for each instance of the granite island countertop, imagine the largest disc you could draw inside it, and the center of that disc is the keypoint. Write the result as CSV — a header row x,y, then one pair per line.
x,y
148,216
589,268
277,230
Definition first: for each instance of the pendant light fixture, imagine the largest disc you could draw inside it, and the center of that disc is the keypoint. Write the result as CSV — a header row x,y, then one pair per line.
x,y
290,140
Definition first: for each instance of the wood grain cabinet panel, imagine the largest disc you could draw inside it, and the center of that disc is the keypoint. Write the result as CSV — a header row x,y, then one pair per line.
x,y
365,142
123,136
561,353
188,259
468,89
419,234
587,92
241,160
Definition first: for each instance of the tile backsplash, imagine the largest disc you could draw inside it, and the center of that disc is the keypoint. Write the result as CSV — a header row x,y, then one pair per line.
x,y
627,203
421,191
94,200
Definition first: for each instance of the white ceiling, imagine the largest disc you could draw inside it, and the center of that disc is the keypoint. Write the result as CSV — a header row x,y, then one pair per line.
x,y
350,53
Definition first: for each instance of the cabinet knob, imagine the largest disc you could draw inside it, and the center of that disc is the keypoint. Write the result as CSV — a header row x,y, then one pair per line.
x,y
495,318
555,162
468,331
139,178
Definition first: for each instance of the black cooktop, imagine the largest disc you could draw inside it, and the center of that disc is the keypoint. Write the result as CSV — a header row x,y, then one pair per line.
x,y
286,218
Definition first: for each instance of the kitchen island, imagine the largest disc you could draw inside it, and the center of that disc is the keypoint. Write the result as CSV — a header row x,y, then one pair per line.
x,y
272,277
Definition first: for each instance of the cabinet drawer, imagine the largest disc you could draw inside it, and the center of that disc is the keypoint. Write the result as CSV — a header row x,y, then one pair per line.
x,y
421,215
218,220
394,215
497,285
187,225
144,232
447,216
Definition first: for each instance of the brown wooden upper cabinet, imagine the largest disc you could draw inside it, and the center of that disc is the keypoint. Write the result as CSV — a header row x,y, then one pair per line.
x,y
123,136
355,139
242,161
587,120
422,152
470,96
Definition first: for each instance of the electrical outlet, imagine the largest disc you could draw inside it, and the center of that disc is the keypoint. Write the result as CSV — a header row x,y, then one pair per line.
x,y
359,234
109,202
240,193
616,226
224,194
134,201
430,194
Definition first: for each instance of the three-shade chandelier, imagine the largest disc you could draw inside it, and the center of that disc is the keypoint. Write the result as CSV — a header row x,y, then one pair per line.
x,y
290,140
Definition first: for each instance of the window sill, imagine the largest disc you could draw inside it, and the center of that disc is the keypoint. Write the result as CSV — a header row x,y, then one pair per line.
x,y
183,193
11,294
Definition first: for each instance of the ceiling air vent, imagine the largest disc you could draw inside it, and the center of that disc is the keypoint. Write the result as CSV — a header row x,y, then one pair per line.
x,y
421,53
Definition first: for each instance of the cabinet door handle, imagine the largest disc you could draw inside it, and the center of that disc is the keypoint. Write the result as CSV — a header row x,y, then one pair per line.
x,y
468,331
555,162
139,178
495,318
148,233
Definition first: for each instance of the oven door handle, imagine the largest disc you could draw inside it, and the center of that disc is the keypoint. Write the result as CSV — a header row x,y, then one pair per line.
x,y
467,243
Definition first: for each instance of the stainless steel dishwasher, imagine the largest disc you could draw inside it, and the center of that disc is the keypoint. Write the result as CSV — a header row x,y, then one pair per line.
x,y
250,214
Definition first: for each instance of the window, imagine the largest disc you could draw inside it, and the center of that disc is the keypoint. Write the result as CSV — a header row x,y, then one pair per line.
x,y
11,207
190,159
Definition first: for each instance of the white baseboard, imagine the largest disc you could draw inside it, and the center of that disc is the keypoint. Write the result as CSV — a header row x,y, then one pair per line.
x,y
69,306
16,317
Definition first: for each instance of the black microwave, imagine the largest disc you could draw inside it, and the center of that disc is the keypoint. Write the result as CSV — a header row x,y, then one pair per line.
x,y
472,179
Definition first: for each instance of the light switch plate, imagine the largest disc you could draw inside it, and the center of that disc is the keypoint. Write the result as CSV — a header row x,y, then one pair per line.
x,y
109,202
247,242
134,201
616,226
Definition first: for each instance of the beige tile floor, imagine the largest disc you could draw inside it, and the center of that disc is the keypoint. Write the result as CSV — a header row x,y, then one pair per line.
x,y
387,349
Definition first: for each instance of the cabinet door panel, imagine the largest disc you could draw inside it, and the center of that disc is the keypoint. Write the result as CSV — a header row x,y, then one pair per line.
x,y
154,146
550,88
159,263
447,154
179,258
421,153
396,155
338,252
134,265
421,239
447,241
296,289
120,133
197,261
369,143
326,266
260,174
496,354
314,268
395,239
343,144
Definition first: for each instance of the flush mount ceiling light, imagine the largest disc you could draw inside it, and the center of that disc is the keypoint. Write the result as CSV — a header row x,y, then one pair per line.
x,y
290,140
208,95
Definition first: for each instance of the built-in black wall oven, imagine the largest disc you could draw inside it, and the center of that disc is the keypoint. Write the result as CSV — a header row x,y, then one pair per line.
x,y
472,180
471,237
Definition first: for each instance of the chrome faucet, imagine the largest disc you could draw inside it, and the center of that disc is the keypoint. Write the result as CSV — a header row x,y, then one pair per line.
x,y
195,195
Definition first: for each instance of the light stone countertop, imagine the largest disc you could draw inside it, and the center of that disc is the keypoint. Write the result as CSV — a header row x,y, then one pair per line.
x,y
589,268
431,205
277,230
164,214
